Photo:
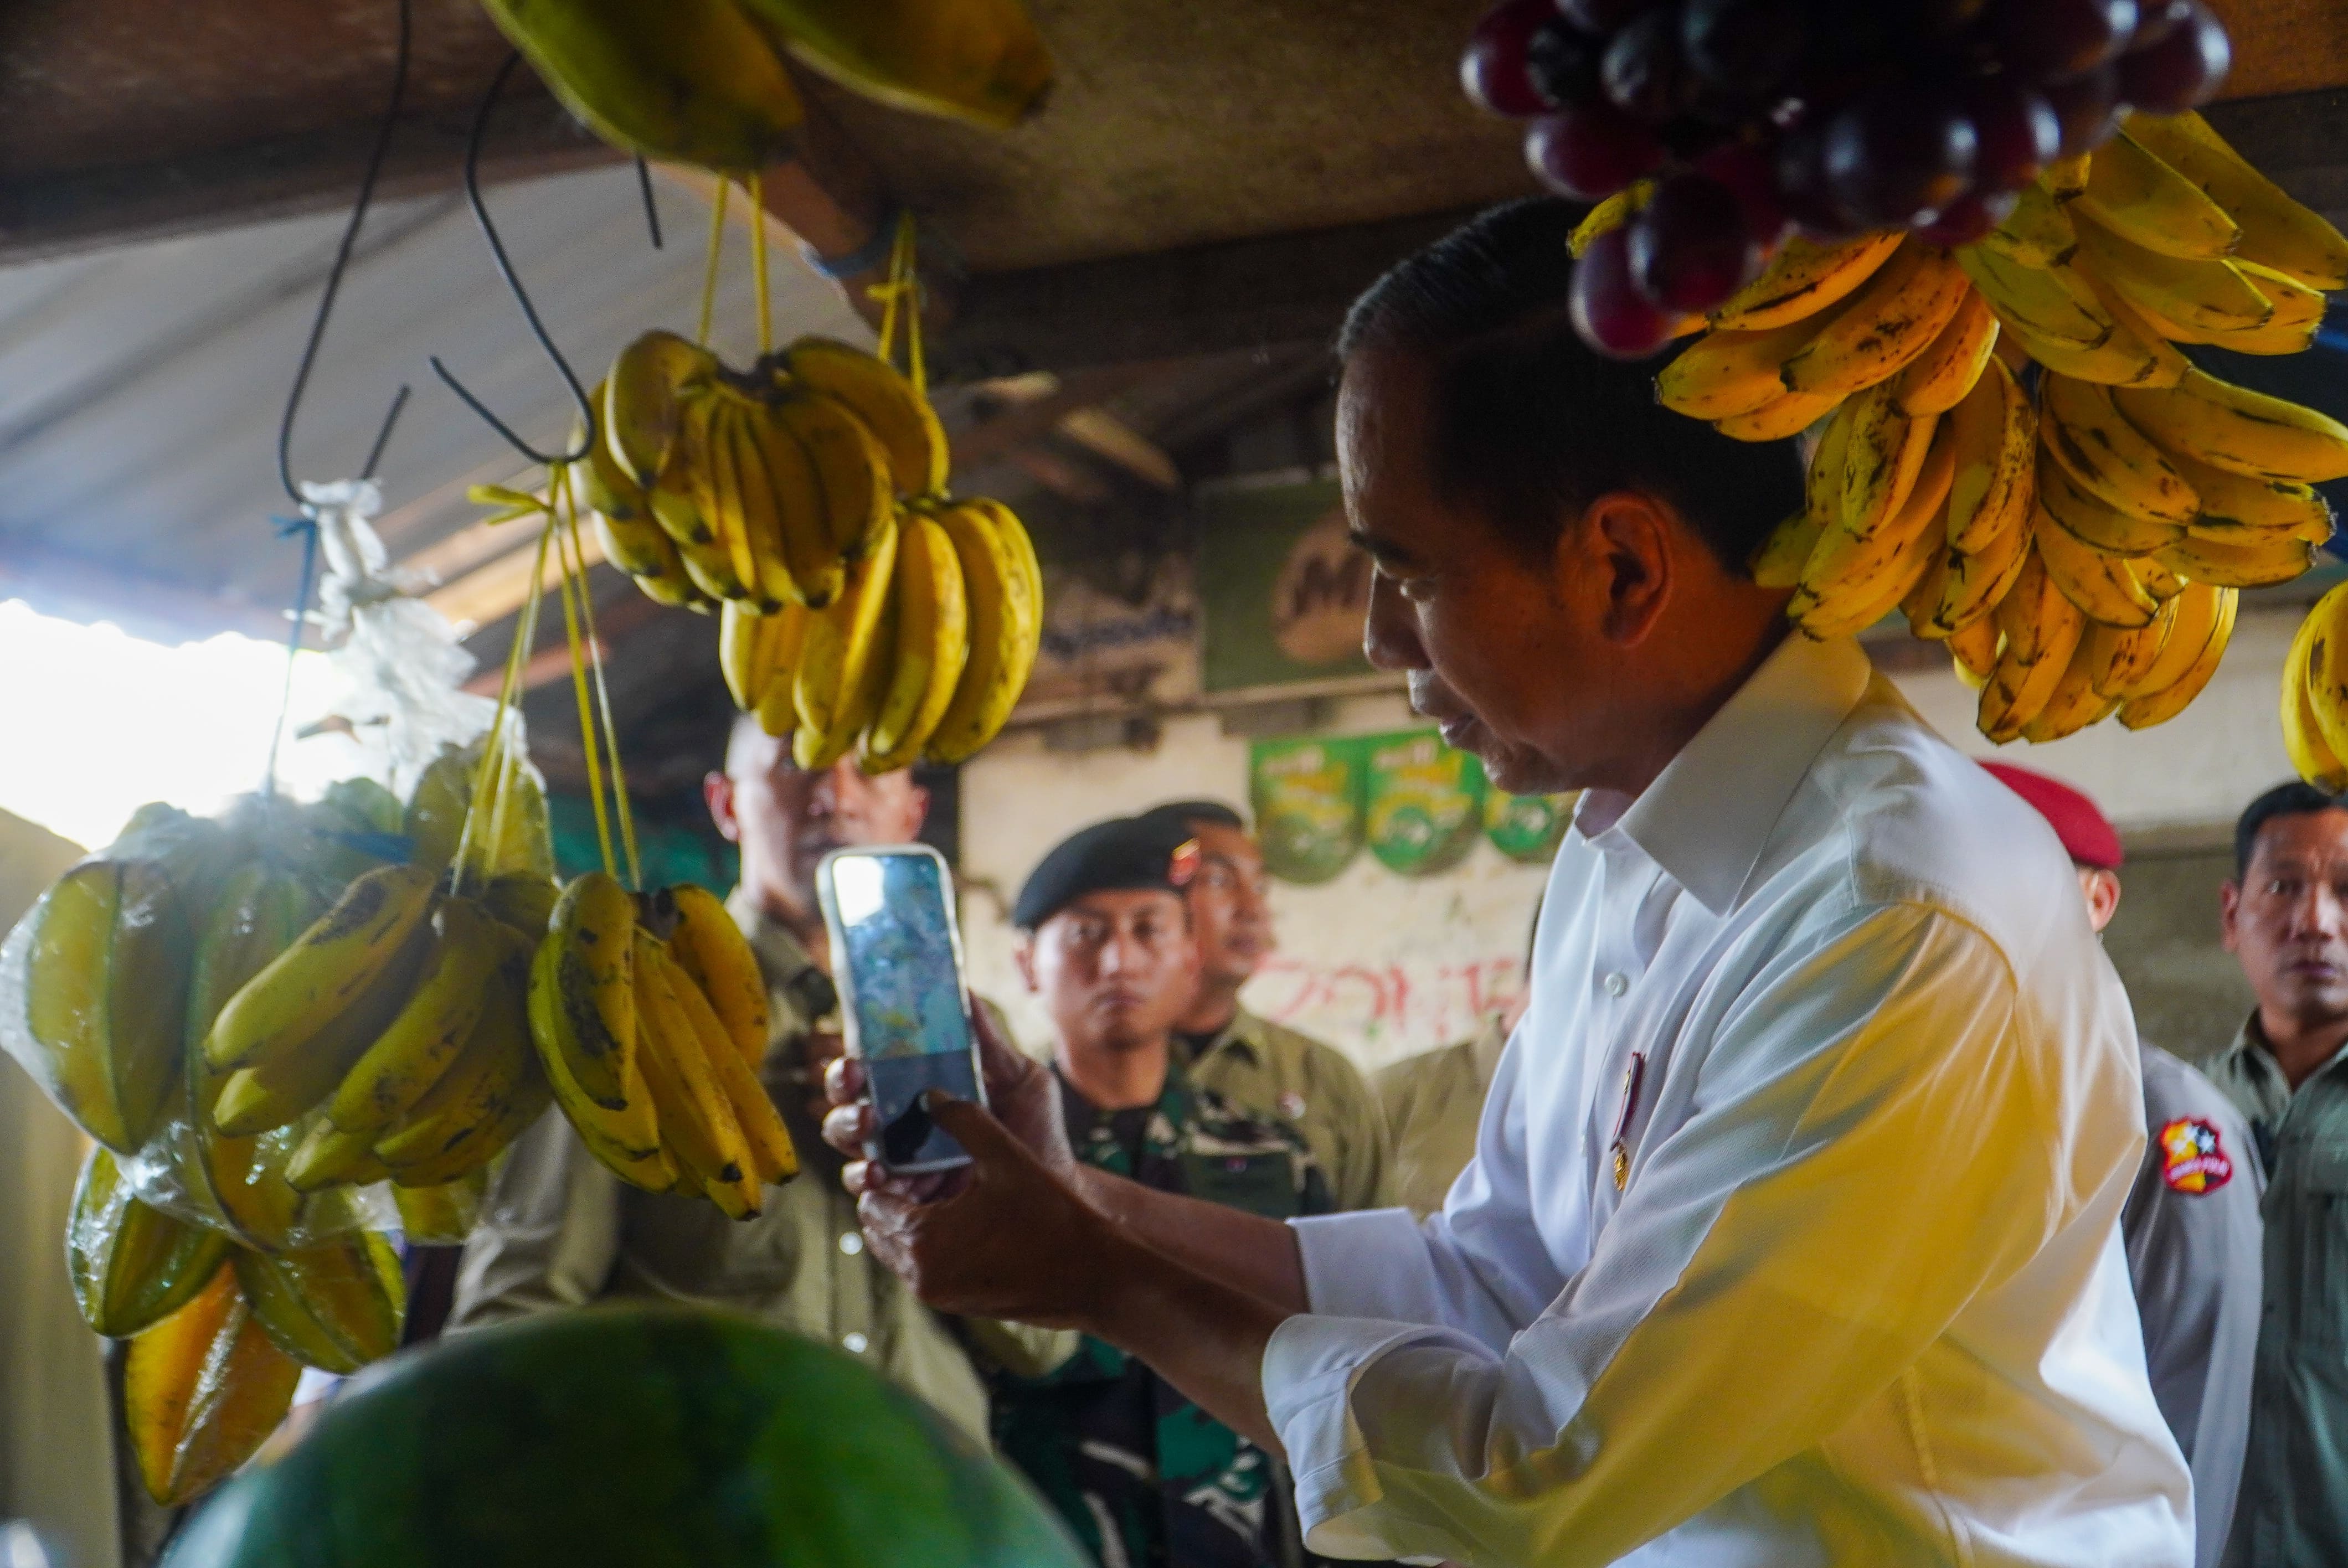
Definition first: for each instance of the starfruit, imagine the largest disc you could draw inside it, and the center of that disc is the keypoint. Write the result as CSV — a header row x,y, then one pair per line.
x,y
335,1307
202,1390
132,1266
106,991
508,836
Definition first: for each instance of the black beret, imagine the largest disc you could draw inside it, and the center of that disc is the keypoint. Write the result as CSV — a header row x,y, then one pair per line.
x,y
1189,812
1123,854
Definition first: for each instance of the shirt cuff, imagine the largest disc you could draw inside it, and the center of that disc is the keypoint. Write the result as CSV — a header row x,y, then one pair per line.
x,y
1371,1263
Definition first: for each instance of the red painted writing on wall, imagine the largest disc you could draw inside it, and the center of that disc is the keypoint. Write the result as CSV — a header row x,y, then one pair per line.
x,y
1420,1005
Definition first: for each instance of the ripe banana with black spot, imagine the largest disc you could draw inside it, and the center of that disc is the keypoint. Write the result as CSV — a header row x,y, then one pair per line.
x,y
2205,623
1804,278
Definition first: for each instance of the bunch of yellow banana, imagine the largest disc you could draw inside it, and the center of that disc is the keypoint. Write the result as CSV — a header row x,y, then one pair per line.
x,y
2315,694
704,82
763,488
864,609
923,655
400,1014
650,1019
2014,452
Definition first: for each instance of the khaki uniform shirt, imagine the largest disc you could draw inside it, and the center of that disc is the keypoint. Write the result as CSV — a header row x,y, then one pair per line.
x,y
557,1229
1273,1072
2292,1509
1434,1103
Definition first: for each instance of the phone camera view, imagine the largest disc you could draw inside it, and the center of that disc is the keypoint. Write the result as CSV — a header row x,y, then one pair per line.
x,y
897,933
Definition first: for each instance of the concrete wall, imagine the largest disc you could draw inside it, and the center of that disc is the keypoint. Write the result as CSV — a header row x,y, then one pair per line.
x,y
1384,965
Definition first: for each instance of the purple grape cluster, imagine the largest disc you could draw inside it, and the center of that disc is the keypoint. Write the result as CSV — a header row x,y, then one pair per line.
x,y
1832,117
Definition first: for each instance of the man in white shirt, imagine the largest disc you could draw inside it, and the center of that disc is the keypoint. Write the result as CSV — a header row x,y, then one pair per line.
x,y
1791,1236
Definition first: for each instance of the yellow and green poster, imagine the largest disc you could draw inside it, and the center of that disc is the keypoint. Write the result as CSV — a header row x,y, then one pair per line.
x,y
1307,797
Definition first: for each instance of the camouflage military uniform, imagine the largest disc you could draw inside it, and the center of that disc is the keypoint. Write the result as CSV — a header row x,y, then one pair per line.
x,y
1145,1477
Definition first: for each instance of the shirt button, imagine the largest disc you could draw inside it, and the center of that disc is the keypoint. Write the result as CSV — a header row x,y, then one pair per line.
x,y
1616,983
855,1341
851,1243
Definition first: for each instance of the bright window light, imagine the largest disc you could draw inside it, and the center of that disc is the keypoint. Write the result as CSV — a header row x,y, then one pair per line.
x,y
98,722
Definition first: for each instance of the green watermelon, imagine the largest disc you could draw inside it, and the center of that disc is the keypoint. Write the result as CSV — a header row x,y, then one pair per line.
x,y
632,1436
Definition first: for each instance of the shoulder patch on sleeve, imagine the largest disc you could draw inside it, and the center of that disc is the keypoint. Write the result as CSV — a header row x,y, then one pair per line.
x,y
2193,1158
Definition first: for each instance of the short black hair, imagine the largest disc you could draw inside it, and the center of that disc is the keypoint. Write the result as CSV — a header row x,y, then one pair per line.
x,y
1190,813
1533,425
2292,799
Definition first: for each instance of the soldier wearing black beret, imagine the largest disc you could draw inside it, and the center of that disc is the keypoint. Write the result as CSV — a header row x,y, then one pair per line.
x,y
1138,1472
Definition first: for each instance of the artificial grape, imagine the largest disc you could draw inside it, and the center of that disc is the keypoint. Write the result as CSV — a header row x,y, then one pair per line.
x,y
1933,20
1801,180
1644,74
1748,45
1751,172
1970,217
2156,19
1689,250
2183,69
1900,154
2015,128
1493,69
2089,108
1590,151
1609,312
1563,65
1600,16
2051,40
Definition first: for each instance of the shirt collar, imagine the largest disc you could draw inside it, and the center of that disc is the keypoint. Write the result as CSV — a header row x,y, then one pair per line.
x,y
1709,813
1239,1038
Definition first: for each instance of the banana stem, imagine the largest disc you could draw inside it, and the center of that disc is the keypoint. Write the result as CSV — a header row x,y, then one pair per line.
x,y
757,194
573,585
709,276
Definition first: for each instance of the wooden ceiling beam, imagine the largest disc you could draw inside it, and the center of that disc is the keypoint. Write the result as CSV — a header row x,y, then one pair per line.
x,y
45,215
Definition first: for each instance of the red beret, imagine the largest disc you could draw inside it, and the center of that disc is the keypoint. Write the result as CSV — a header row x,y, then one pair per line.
x,y
2086,832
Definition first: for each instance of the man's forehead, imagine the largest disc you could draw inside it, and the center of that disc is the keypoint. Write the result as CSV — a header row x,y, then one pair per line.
x,y
2302,838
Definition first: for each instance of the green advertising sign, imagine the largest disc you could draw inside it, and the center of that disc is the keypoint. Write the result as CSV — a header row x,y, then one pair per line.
x,y
1426,802
1282,593
1527,827
1307,797
1418,804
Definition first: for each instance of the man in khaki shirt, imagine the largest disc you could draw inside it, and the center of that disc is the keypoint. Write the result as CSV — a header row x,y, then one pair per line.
x,y
558,1230
1260,1066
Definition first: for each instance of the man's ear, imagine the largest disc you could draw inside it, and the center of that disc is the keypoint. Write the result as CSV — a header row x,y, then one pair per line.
x,y
1024,958
2229,904
1631,542
718,793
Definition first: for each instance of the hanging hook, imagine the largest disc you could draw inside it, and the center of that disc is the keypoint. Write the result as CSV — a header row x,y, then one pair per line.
x,y
652,211
342,262
522,297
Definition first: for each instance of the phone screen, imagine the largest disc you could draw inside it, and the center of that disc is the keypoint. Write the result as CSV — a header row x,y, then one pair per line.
x,y
904,995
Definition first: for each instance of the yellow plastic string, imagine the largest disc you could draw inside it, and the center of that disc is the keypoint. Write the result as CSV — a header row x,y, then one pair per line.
x,y
571,587
622,805
757,194
508,689
709,277
900,300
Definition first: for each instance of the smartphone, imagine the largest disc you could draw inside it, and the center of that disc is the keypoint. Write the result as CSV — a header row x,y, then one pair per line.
x,y
896,956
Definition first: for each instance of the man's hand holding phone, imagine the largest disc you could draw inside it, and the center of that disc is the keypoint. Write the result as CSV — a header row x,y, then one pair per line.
x,y
1010,1235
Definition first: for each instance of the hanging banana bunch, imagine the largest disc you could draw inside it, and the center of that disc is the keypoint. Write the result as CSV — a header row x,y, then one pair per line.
x,y
704,81
2016,454
862,609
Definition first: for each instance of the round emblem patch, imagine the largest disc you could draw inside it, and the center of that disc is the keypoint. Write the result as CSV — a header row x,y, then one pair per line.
x,y
1290,1104
2192,1159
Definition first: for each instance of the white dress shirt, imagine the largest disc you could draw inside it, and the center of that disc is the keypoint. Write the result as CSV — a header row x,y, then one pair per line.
x,y
1854,1292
